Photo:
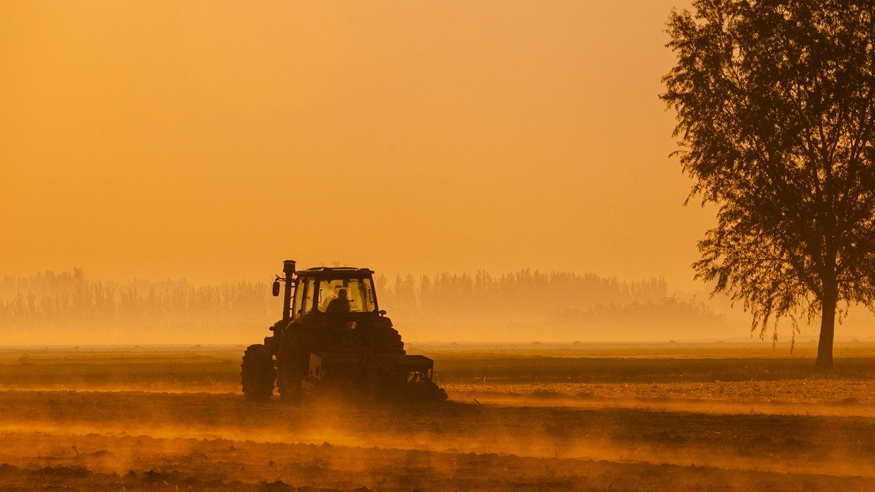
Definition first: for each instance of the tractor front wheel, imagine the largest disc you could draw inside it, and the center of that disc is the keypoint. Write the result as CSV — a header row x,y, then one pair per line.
x,y
293,364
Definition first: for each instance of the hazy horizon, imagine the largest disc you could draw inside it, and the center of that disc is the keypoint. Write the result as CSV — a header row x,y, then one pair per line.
x,y
70,308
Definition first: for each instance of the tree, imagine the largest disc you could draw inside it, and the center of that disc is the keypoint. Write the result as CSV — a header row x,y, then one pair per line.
x,y
775,104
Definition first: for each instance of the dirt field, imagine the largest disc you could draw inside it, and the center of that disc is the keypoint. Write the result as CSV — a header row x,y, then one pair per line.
x,y
531,418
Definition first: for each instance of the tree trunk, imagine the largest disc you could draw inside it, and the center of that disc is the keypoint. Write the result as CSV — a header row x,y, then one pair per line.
x,y
827,329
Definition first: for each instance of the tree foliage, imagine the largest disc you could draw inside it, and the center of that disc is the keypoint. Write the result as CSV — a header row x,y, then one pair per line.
x,y
775,104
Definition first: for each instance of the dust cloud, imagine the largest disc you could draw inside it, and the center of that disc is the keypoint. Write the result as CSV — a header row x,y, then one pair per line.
x,y
176,414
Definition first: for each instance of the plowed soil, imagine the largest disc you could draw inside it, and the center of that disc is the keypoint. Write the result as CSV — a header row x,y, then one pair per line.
x,y
174,419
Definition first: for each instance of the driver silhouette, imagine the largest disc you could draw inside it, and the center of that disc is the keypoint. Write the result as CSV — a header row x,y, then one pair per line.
x,y
339,305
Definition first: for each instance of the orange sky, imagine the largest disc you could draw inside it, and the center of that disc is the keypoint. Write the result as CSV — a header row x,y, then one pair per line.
x,y
211,140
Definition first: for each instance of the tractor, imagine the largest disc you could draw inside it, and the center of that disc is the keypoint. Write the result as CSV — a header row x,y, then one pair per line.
x,y
334,340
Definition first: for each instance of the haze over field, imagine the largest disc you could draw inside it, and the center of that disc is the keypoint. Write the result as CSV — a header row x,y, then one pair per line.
x,y
69,308
209,142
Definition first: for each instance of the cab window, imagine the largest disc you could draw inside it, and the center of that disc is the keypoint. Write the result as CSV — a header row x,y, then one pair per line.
x,y
304,296
346,295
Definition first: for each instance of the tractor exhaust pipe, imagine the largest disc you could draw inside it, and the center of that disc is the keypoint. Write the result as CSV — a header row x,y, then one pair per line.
x,y
289,271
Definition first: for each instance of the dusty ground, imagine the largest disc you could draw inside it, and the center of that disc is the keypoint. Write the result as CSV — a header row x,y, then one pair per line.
x,y
173,419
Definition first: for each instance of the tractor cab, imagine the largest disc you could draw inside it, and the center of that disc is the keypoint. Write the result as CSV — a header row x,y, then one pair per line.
x,y
326,290
333,291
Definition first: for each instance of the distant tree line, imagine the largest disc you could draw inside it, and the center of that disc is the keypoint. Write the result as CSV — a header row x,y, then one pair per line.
x,y
522,293
49,300
424,308
546,305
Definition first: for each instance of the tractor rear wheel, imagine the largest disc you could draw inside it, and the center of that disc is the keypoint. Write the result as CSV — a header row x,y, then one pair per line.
x,y
257,373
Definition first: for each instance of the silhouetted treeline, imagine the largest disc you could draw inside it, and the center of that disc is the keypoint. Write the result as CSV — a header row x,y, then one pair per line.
x,y
528,305
523,293
50,302
524,305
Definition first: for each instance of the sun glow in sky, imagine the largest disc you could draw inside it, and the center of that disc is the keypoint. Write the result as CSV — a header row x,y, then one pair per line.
x,y
212,140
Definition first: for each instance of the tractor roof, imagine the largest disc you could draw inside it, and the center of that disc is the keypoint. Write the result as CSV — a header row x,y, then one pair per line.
x,y
336,272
